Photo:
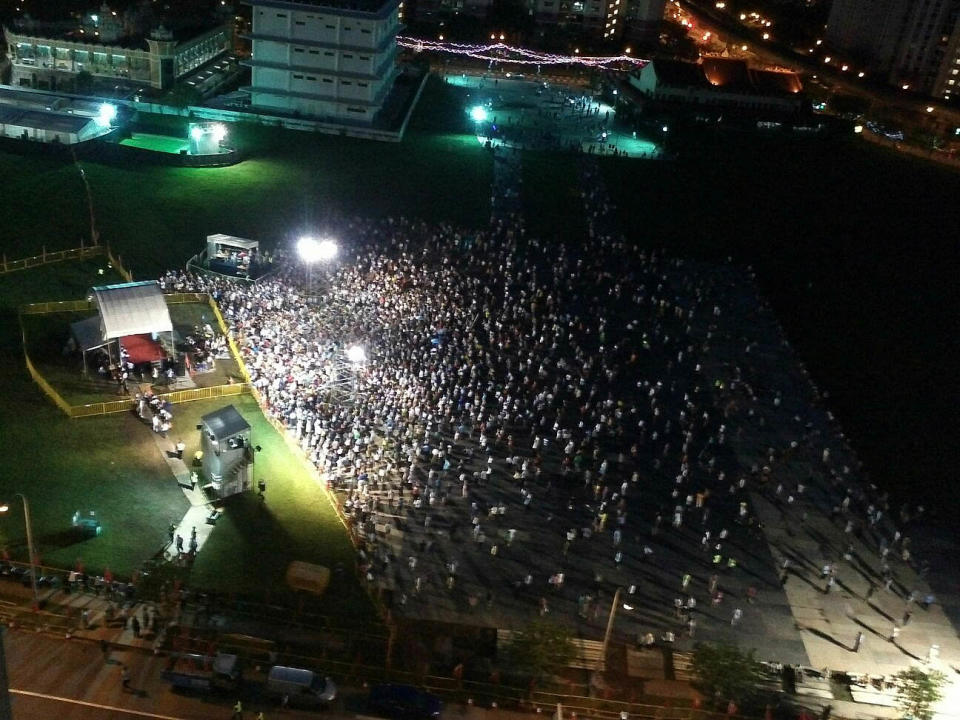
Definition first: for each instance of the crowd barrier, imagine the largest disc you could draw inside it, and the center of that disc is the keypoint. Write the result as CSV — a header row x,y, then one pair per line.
x,y
80,253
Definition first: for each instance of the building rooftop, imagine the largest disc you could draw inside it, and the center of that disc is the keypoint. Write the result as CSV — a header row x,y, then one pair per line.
x,y
678,74
224,423
43,119
379,7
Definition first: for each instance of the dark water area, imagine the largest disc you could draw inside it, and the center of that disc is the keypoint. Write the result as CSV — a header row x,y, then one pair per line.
x,y
858,251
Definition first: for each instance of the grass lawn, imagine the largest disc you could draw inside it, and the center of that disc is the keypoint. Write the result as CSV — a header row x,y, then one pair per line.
x,y
157,143
157,217
251,545
112,465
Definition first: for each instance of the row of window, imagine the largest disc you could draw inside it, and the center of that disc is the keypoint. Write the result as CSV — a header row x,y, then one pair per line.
x,y
283,16
330,53
328,80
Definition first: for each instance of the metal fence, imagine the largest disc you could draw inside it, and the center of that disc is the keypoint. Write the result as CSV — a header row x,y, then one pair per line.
x,y
50,257
80,253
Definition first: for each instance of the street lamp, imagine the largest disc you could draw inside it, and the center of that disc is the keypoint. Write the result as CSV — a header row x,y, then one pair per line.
x,y
478,113
33,564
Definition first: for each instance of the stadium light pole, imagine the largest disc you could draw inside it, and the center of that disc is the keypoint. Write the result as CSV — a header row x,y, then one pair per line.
x,y
357,357
33,560
311,251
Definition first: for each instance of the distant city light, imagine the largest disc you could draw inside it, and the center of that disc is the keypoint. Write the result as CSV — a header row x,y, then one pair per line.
x,y
858,129
478,113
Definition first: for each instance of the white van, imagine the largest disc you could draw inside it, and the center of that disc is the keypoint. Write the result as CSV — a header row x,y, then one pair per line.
x,y
303,688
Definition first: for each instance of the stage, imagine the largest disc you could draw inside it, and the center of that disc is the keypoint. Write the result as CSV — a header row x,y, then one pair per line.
x,y
142,349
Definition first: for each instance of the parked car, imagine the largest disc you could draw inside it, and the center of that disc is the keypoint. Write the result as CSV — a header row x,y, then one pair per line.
x,y
302,688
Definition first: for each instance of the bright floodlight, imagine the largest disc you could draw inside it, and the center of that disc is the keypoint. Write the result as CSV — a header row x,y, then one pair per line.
x,y
326,250
478,113
196,132
309,249
219,132
312,250
107,114
356,354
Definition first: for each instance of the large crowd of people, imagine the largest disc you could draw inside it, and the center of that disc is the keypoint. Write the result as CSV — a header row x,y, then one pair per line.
x,y
540,422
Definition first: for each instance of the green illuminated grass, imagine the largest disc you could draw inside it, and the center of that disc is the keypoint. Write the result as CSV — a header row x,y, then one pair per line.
x,y
157,217
157,143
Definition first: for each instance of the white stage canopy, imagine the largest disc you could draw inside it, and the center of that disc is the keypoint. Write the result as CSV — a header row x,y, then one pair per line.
x,y
131,309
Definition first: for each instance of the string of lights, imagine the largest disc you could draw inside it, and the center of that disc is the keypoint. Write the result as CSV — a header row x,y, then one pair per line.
x,y
501,52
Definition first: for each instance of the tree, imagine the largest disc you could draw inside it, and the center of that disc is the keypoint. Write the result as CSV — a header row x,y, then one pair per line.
x,y
918,690
539,649
726,672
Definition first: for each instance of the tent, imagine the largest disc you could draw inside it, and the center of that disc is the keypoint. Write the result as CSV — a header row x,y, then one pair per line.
x,y
124,310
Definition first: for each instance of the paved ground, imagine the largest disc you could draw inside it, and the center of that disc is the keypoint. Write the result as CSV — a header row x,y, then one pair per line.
x,y
535,113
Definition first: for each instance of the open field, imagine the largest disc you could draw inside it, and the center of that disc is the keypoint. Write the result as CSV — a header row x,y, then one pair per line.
x,y
292,181
855,247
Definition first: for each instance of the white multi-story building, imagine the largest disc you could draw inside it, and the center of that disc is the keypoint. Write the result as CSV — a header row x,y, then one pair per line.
x,y
323,58
909,43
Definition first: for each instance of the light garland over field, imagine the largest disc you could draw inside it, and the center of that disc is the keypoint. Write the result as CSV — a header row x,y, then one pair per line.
x,y
501,52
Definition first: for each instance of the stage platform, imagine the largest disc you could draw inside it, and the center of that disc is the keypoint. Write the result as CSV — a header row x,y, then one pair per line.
x,y
143,349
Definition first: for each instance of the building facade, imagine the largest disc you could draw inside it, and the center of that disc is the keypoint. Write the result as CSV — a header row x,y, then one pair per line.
x,y
323,59
52,63
602,18
717,84
908,43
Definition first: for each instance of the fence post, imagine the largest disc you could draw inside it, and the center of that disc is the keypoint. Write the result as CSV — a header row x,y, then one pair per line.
x,y
44,253
4,262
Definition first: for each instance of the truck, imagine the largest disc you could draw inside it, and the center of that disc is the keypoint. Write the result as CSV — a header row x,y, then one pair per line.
x,y
192,671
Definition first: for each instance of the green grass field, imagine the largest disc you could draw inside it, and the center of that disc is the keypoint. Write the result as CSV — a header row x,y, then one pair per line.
x,y
157,217
157,143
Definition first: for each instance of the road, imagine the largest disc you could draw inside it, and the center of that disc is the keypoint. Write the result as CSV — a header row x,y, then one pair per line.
x,y
71,680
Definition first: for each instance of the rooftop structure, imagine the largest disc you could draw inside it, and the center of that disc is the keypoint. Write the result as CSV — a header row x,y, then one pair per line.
x,y
720,82
50,118
332,59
